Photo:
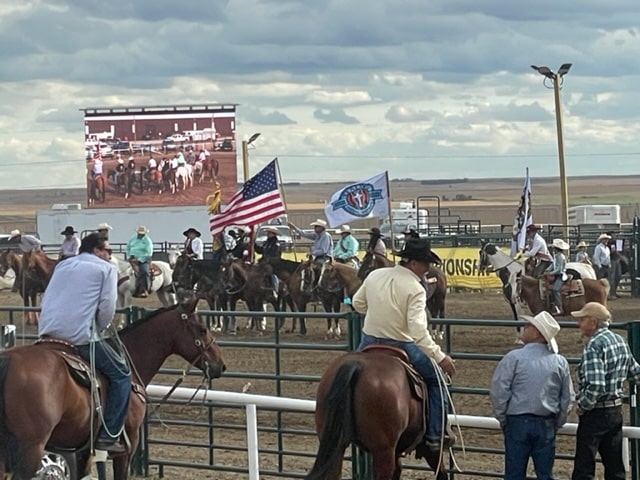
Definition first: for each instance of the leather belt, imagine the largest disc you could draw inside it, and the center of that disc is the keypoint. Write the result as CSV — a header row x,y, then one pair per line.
x,y
608,403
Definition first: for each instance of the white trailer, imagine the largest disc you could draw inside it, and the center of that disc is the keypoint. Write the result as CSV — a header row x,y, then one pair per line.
x,y
165,224
599,215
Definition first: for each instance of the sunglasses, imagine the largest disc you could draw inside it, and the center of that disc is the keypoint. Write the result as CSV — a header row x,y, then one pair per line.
x,y
108,250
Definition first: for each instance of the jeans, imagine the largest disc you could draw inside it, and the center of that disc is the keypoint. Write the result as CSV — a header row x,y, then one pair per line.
x,y
529,436
144,271
430,372
599,431
557,297
615,274
109,363
603,272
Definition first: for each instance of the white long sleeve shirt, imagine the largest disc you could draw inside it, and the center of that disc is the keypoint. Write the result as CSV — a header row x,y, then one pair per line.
x,y
538,247
395,306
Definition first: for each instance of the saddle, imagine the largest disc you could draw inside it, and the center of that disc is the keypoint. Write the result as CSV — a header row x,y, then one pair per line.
x,y
78,368
570,287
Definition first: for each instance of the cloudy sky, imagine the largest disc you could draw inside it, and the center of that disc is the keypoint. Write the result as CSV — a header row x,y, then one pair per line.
x,y
340,89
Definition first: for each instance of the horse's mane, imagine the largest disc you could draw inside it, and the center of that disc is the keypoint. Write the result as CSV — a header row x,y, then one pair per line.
x,y
149,316
288,265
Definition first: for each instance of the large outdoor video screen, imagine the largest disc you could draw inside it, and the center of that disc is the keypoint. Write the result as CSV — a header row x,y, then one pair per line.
x,y
159,156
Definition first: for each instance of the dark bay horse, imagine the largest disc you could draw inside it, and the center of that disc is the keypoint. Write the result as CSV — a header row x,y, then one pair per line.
x,y
96,189
57,414
365,399
23,283
370,262
530,291
337,281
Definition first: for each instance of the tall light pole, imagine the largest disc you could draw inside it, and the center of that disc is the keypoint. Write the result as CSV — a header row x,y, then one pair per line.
x,y
245,154
557,79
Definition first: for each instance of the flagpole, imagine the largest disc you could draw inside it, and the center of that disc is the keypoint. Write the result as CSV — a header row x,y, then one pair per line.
x,y
284,201
386,176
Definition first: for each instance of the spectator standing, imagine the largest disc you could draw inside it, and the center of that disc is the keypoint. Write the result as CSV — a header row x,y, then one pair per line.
x,y
70,245
532,394
602,257
605,364
322,248
615,272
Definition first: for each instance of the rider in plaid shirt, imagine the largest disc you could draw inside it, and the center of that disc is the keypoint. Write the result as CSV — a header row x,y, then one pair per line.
x,y
606,363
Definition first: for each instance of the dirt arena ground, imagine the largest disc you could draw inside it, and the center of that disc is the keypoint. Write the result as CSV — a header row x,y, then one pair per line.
x,y
471,374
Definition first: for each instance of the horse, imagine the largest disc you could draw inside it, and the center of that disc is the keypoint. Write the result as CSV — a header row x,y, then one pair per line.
x,y
184,176
366,399
61,405
39,268
247,282
370,262
122,184
96,189
508,270
574,297
154,180
205,276
23,283
128,277
337,282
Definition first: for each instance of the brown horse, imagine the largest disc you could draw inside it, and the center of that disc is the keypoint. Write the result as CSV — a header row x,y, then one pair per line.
x,y
337,282
372,261
366,399
23,283
58,415
296,292
39,268
96,189
594,291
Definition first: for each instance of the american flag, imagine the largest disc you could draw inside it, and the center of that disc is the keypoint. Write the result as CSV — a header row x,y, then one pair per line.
x,y
257,201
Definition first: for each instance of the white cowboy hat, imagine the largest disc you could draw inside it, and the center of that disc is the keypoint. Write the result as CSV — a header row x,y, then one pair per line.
x,y
319,223
245,229
344,229
14,233
560,244
547,326
273,230
131,158
104,226
142,230
582,244
604,236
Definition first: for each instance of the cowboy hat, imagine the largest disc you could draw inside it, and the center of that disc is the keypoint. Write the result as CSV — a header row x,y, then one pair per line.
x,y
547,326
582,244
273,230
595,310
375,231
533,226
131,158
191,230
418,249
319,223
560,244
604,236
344,229
142,230
14,233
409,229
68,231
104,226
244,229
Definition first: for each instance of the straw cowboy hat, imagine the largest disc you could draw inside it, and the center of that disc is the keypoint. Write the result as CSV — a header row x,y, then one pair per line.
x,y
273,230
604,236
344,229
14,233
582,244
191,230
319,223
560,244
418,249
68,231
104,226
595,310
142,230
547,326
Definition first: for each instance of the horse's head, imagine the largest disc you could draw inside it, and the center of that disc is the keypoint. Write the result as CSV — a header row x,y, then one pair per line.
x,y
487,251
5,262
366,265
197,345
235,276
174,254
182,275
309,272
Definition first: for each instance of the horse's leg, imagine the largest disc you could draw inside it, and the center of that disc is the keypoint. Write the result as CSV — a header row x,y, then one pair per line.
x,y
29,457
384,463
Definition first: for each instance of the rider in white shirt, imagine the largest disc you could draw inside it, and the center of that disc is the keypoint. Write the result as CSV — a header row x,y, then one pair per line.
x,y
152,163
536,250
97,167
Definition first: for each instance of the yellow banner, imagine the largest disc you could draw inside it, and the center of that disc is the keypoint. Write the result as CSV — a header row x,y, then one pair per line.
x,y
459,264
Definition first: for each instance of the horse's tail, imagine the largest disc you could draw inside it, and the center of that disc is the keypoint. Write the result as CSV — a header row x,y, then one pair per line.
x,y
4,369
338,422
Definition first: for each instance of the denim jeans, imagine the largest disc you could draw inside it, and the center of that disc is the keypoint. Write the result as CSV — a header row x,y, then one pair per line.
x,y
555,289
599,431
144,271
109,364
436,389
529,436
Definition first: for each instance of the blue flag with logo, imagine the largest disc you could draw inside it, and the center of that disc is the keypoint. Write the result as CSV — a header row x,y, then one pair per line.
x,y
368,199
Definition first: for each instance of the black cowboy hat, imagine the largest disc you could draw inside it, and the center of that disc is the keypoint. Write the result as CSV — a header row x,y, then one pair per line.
x,y
68,231
191,230
418,249
375,231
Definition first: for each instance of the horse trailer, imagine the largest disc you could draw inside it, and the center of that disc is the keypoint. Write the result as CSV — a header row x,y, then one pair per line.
x,y
602,216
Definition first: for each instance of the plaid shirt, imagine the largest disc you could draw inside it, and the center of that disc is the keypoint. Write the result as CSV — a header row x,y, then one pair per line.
x,y
606,363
